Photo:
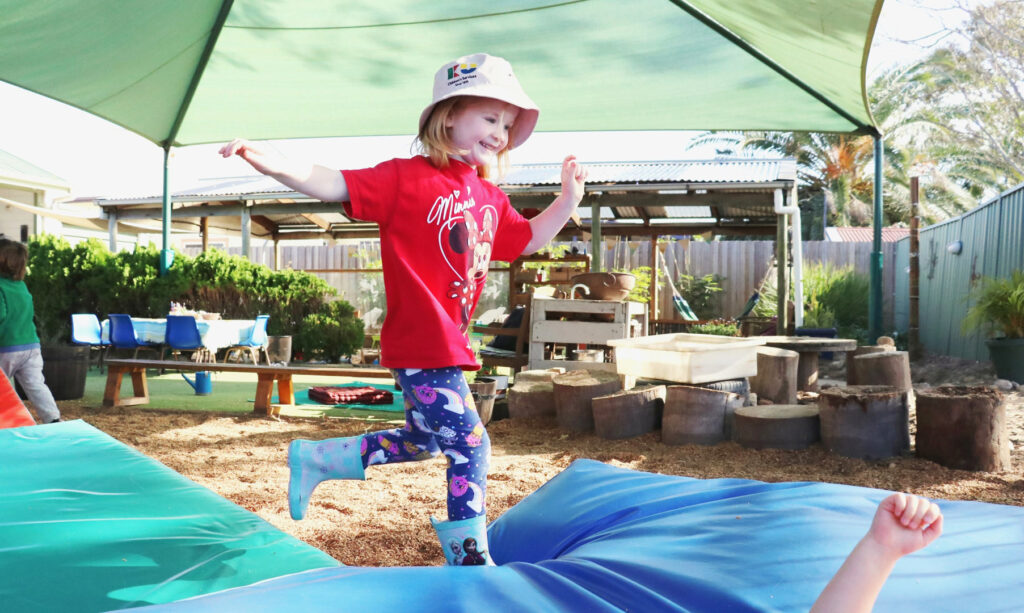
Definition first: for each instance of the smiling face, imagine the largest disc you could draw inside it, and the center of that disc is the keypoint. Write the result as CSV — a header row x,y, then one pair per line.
x,y
479,129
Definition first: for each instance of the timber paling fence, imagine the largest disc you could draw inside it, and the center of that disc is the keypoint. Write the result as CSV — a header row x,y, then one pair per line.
x,y
742,264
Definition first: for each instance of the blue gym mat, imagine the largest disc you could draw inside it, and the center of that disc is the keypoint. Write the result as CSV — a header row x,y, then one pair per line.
x,y
599,538
89,524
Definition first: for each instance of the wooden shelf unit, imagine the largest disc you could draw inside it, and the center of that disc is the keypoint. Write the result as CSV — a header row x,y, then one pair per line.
x,y
583,330
516,267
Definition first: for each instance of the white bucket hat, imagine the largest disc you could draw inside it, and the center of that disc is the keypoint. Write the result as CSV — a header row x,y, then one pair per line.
x,y
485,76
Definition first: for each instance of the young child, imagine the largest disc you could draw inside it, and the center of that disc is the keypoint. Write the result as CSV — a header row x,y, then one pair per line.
x,y
903,524
20,358
441,223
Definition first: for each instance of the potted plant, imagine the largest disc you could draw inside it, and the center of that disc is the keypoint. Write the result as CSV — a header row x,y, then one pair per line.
x,y
998,310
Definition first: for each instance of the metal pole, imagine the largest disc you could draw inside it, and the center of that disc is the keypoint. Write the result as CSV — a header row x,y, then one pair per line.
x,y
915,271
782,257
596,248
875,296
166,254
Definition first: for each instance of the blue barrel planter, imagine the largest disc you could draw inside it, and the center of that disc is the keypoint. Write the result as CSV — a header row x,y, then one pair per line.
x,y
820,333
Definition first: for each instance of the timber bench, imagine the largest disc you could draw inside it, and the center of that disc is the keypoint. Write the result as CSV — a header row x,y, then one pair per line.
x,y
266,376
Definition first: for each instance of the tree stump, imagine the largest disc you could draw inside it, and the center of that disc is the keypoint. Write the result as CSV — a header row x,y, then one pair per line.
x,y
864,421
532,376
695,415
780,426
963,427
531,399
851,376
574,392
889,368
776,375
628,413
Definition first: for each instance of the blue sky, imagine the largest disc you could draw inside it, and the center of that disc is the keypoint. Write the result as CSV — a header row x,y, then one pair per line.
x,y
99,158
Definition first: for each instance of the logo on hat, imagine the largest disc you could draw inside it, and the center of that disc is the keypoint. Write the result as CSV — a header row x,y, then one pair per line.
x,y
458,70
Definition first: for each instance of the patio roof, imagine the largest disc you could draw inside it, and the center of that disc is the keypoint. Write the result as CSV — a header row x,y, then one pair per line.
x,y
724,196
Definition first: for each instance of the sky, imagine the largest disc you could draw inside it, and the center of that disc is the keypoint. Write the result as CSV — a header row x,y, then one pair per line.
x,y
98,158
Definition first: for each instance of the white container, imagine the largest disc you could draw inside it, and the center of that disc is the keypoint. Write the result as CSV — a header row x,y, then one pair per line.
x,y
687,358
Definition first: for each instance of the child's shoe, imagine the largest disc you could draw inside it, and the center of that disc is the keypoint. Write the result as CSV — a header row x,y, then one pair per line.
x,y
464,541
311,462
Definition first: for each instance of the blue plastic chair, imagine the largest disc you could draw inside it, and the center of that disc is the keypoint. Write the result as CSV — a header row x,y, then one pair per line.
x,y
86,330
256,342
182,335
122,335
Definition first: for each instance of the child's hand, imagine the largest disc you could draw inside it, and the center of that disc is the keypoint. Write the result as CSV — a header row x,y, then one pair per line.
x,y
262,160
905,523
574,176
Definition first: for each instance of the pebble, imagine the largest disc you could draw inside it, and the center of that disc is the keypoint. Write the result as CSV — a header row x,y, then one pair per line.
x,y
1003,385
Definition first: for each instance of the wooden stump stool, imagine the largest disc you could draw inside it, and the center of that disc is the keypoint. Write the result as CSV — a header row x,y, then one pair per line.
x,y
963,427
574,392
851,375
628,413
776,378
864,421
888,368
695,415
532,395
780,426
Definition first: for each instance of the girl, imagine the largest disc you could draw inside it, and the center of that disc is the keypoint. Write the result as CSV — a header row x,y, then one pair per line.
x,y
441,223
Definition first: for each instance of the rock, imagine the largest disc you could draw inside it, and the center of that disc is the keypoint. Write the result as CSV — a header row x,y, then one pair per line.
x,y
885,340
1003,385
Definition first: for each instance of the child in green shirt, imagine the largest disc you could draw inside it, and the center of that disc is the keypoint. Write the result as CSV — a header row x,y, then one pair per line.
x,y
20,358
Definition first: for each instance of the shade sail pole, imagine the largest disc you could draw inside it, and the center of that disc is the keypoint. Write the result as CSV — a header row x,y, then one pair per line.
x,y
875,297
166,254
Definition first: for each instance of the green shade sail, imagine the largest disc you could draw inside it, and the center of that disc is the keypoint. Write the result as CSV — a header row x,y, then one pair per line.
x,y
182,72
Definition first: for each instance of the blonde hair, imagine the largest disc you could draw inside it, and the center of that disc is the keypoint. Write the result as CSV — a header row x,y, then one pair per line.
x,y
13,259
434,141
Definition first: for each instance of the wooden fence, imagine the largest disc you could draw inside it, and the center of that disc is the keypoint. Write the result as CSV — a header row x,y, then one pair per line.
x,y
742,264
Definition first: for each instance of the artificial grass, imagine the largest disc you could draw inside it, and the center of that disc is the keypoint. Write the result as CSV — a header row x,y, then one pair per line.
x,y
232,393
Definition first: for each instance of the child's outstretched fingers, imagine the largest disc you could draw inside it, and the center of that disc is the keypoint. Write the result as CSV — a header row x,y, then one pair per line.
x,y
905,523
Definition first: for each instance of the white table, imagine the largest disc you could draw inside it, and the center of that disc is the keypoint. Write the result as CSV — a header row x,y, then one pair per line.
x,y
215,333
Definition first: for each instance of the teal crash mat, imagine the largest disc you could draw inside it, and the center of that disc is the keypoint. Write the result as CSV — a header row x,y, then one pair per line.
x,y
89,524
396,406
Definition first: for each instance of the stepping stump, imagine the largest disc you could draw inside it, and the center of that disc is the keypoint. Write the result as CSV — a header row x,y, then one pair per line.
x,y
851,375
574,392
696,415
776,378
889,368
628,413
963,427
864,421
780,426
531,399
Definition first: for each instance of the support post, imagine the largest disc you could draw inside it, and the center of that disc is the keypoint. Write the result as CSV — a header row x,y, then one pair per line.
x,y
875,296
246,230
112,229
596,248
204,232
915,272
166,254
277,253
652,306
782,257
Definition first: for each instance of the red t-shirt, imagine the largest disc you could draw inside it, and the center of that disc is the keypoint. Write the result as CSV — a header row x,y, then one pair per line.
x,y
439,229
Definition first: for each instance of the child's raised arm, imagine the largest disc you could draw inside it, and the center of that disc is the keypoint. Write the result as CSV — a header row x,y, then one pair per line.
x,y
903,524
315,181
547,224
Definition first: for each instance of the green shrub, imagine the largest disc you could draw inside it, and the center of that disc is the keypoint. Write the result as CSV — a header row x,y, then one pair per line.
x,y
641,292
998,308
331,333
703,294
719,328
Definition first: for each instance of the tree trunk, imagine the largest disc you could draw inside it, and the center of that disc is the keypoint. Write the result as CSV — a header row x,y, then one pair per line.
x,y
574,392
531,399
888,368
695,415
629,413
963,427
776,377
851,375
864,421
780,426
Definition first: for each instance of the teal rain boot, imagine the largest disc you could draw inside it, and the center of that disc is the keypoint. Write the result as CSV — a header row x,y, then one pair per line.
x,y
311,462
464,541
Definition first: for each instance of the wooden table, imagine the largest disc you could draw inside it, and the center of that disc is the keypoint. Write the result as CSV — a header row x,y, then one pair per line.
x,y
809,347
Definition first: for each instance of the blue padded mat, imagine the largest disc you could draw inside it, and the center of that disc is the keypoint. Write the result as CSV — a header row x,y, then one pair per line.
x,y
89,524
599,538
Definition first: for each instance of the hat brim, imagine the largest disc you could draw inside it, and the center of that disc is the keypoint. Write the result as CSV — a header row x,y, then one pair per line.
x,y
525,122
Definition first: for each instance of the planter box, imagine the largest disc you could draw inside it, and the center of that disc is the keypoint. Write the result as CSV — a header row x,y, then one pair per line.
x,y
687,358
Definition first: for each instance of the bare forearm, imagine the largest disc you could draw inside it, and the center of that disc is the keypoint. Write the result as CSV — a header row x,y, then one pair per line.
x,y
315,181
547,224
856,585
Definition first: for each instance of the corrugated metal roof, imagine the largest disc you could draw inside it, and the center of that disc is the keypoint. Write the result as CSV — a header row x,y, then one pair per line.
x,y
682,171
